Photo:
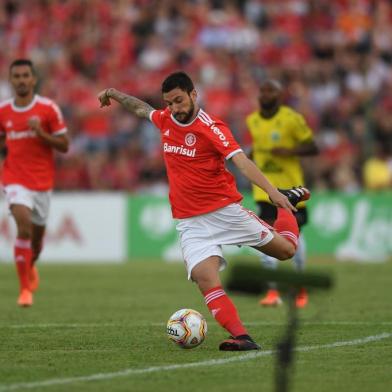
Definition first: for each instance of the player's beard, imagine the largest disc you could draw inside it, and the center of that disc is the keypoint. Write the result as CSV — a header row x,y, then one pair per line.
x,y
186,116
22,90
269,105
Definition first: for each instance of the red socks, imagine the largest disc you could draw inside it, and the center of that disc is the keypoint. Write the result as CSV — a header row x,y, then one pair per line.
x,y
286,225
224,311
22,255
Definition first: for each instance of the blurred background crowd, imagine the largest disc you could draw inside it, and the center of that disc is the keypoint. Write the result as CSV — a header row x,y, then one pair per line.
x,y
334,58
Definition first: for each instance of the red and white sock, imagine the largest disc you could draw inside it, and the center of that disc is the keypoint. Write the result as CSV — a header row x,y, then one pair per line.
x,y
22,256
286,225
224,311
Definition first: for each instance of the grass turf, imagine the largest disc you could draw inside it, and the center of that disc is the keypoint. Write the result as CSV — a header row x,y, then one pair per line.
x,y
95,320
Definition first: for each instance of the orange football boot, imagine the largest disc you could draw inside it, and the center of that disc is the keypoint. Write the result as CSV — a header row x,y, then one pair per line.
x,y
271,299
25,298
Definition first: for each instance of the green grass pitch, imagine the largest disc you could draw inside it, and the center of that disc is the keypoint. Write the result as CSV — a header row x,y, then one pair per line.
x,y
102,328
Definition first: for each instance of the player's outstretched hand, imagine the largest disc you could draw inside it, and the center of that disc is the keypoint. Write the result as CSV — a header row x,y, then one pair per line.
x,y
104,98
280,200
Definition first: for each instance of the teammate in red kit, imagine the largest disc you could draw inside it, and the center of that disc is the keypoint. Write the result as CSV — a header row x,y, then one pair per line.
x,y
204,196
31,128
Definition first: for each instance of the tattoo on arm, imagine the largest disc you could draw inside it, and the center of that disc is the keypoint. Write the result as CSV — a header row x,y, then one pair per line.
x,y
132,104
137,106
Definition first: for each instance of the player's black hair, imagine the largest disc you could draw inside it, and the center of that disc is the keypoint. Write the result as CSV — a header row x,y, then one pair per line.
x,y
178,80
272,83
19,62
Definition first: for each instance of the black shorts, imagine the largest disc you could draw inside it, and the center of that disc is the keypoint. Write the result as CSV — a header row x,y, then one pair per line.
x,y
268,212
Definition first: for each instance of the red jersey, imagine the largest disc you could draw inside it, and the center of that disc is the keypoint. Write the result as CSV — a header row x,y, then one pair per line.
x,y
29,160
195,156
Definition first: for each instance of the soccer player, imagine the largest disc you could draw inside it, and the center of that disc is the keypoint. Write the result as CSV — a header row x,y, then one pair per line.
x,y
31,127
204,198
280,136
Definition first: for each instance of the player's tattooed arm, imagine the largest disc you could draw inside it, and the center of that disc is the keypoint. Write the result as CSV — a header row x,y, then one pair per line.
x,y
132,104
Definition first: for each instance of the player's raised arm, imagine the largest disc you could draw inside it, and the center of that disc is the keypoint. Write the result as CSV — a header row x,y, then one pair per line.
x,y
253,174
132,104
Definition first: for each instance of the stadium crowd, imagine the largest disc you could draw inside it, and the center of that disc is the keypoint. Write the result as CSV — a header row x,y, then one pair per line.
x,y
334,57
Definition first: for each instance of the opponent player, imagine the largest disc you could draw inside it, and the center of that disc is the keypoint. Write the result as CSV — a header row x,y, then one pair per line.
x,y
31,127
204,197
280,136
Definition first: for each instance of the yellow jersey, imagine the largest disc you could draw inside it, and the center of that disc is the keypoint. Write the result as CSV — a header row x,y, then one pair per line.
x,y
287,128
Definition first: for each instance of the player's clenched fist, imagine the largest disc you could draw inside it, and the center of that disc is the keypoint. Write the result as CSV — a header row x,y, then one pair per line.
x,y
104,97
34,122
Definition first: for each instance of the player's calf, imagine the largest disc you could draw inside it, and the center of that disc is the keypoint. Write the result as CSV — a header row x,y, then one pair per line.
x,y
279,247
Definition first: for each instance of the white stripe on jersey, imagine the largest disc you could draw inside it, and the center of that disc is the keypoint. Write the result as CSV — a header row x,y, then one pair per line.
x,y
61,131
204,118
207,116
24,108
203,121
49,102
44,100
235,152
150,115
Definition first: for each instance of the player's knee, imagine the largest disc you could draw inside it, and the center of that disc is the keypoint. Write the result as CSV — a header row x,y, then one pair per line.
x,y
24,232
287,251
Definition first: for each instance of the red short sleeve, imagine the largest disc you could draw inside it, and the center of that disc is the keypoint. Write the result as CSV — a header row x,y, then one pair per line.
x,y
223,140
56,120
156,117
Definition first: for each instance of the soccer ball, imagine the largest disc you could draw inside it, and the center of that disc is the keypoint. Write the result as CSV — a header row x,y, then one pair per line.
x,y
187,328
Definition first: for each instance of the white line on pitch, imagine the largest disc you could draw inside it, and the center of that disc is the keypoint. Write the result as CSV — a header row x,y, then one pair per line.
x,y
146,324
212,362
255,323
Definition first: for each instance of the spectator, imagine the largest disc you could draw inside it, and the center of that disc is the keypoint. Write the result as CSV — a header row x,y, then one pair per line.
x,y
335,56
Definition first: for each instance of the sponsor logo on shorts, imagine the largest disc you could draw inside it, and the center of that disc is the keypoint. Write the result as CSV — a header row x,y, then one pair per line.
x,y
263,235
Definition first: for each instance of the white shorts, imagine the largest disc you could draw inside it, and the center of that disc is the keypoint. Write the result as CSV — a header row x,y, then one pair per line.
x,y
202,236
38,202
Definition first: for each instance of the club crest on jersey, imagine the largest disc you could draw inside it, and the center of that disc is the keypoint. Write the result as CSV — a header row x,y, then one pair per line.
x,y
275,136
190,139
